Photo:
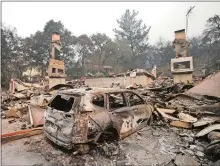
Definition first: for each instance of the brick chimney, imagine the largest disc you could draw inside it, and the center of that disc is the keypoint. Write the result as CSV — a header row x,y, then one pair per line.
x,y
180,44
55,45
180,34
56,37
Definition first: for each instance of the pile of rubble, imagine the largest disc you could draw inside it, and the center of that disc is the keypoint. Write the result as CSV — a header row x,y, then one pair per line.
x,y
161,90
177,106
195,117
195,110
26,102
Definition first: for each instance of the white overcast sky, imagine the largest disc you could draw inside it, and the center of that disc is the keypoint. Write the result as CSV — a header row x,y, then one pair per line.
x,y
91,17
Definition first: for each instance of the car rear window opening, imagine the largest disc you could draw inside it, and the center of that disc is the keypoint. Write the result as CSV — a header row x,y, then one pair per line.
x,y
62,103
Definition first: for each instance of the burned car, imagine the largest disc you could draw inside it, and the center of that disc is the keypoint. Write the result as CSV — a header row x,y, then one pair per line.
x,y
80,116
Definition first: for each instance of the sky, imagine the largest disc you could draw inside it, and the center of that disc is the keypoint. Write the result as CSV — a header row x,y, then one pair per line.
x,y
91,17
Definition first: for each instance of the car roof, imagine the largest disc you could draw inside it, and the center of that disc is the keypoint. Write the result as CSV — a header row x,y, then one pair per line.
x,y
83,91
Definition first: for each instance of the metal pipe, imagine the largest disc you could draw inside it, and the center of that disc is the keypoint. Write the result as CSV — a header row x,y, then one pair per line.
x,y
187,16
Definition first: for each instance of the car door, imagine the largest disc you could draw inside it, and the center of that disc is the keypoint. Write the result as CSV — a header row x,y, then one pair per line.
x,y
120,113
140,110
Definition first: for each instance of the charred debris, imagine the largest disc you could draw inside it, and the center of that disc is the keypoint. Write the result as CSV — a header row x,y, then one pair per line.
x,y
196,117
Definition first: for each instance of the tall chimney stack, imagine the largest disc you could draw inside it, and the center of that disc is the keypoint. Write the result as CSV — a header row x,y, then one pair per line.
x,y
56,37
55,45
182,65
180,44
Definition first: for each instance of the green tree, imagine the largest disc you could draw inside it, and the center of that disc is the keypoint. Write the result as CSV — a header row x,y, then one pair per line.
x,y
212,30
84,49
104,47
211,40
13,60
123,54
135,32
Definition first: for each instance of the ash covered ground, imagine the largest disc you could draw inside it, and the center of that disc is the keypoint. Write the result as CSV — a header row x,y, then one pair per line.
x,y
153,145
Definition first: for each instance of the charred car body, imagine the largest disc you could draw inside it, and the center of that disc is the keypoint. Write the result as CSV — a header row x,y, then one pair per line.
x,y
79,116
